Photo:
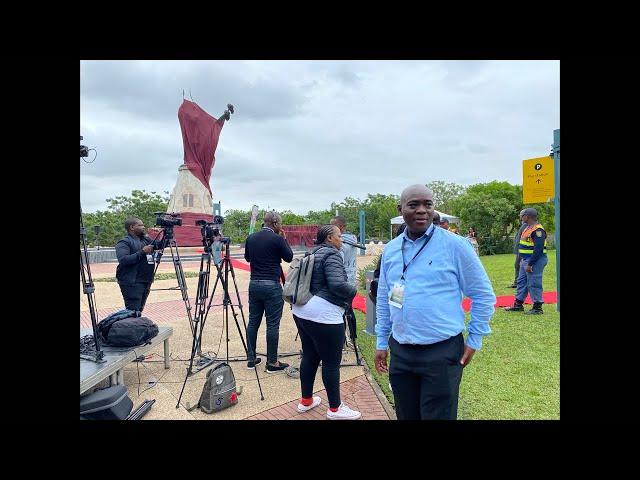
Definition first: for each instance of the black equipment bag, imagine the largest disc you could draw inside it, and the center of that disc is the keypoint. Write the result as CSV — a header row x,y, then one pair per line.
x,y
219,390
111,403
125,329
131,332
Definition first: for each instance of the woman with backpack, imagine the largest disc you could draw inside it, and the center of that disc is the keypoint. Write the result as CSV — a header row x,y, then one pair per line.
x,y
321,325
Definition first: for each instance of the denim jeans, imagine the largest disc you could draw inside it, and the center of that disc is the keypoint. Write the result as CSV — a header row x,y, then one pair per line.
x,y
531,282
265,297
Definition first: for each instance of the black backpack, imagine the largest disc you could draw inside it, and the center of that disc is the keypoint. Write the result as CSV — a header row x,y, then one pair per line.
x,y
126,329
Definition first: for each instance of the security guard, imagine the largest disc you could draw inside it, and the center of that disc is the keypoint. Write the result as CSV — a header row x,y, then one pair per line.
x,y
533,252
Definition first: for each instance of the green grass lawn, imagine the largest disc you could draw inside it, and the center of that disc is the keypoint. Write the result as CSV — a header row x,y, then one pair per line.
x,y
516,374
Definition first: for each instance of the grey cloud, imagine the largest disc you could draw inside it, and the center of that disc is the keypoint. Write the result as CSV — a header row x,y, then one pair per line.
x,y
151,92
303,137
347,77
480,149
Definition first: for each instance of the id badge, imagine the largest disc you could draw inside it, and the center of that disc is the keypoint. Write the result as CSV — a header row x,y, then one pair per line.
x,y
396,295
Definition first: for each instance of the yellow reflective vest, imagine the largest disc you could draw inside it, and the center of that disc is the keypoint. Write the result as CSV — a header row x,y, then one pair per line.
x,y
525,247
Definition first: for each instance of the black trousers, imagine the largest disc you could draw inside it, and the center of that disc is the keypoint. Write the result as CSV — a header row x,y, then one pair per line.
x,y
265,297
517,265
135,296
321,342
426,379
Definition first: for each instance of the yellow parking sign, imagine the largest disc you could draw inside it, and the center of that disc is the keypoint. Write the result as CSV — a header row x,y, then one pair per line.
x,y
538,182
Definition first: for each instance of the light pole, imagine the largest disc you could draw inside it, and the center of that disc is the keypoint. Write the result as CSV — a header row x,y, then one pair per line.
x,y
556,168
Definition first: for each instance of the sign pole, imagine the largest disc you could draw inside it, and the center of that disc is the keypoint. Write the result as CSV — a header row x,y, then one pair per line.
x,y
361,218
556,166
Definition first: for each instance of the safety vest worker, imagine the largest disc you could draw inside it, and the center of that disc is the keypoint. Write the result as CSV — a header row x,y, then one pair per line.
x,y
532,249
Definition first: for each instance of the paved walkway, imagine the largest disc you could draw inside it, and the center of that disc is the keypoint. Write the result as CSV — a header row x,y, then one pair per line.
x,y
357,393
168,311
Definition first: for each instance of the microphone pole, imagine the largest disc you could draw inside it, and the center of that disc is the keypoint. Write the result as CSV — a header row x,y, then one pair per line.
x,y
357,245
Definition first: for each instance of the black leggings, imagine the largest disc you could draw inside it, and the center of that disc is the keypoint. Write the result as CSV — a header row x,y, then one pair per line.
x,y
321,341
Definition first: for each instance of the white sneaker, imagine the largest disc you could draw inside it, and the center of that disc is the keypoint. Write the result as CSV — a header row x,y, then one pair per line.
x,y
343,413
303,408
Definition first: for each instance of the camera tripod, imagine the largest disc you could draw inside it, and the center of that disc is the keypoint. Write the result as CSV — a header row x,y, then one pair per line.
x,y
350,321
222,276
89,289
167,239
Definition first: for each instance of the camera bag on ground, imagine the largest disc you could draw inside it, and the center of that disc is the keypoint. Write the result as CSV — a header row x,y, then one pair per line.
x,y
126,328
219,390
296,287
111,403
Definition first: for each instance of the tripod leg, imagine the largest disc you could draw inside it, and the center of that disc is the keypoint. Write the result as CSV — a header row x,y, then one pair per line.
x,y
190,368
181,281
227,302
201,298
350,320
235,284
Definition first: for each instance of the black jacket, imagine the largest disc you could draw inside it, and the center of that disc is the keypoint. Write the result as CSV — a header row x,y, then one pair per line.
x,y
132,261
264,250
329,278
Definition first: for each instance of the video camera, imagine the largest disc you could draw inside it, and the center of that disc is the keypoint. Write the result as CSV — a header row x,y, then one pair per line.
x,y
167,220
212,231
84,151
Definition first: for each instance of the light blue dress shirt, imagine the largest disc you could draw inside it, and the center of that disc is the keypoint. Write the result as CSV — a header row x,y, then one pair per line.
x,y
435,282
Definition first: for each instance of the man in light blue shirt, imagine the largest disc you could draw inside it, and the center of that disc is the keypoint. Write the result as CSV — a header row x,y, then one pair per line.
x,y
423,276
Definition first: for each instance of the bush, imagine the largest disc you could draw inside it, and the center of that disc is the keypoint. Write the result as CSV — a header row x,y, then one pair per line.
x,y
362,278
495,245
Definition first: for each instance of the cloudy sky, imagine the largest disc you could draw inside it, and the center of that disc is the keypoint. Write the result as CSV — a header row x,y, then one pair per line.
x,y
306,133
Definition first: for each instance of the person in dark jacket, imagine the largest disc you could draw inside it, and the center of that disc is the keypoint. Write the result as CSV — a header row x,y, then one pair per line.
x,y
516,243
320,323
135,264
264,250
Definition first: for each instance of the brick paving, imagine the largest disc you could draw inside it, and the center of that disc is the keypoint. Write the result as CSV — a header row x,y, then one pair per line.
x,y
356,393
162,312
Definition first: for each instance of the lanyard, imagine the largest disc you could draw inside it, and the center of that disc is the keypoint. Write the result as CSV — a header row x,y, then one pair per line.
x,y
406,265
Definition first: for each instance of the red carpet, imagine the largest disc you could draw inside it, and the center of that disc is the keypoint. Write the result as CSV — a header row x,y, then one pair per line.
x,y
360,302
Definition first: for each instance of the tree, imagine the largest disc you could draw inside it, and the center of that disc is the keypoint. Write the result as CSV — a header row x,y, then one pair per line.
x,y
290,218
236,224
444,193
379,210
491,217
319,217
140,204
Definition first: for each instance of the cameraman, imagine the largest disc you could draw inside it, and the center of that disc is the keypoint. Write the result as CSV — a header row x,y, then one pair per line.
x,y
135,264
264,250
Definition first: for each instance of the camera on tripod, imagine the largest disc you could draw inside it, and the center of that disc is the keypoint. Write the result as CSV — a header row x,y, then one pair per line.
x,y
84,150
167,220
212,231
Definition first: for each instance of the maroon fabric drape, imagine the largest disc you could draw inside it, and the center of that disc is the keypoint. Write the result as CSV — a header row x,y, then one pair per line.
x,y
200,133
188,234
301,234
